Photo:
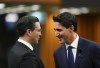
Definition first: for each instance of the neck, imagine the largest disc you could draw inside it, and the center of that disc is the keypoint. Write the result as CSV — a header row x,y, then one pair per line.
x,y
71,38
25,39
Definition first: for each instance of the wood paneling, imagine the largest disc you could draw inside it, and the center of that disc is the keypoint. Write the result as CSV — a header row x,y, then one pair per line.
x,y
88,26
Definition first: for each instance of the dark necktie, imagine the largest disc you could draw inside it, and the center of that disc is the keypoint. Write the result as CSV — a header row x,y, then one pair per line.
x,y
71,57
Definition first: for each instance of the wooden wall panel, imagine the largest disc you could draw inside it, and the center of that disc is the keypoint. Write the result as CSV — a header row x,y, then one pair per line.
x,y
88,26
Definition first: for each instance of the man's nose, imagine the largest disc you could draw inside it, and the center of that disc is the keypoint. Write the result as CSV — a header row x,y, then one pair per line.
x,y
40,34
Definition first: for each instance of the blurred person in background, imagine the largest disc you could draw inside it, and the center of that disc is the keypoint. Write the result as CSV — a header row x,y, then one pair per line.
x,y
22,54
75,51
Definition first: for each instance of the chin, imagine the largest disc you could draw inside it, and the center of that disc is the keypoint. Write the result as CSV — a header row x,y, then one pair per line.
x,y
37,42
61,42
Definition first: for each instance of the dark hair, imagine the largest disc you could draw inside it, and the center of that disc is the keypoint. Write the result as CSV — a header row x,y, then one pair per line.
x,y
66,19
24,23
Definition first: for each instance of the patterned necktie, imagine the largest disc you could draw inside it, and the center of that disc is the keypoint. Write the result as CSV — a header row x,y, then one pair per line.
x,y
71,57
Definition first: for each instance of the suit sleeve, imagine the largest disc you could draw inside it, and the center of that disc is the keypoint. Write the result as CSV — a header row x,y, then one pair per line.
x,y
96,56
29,61
56,62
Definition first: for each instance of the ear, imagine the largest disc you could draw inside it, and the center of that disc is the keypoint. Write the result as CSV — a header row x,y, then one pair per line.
x,y
28,32
72,27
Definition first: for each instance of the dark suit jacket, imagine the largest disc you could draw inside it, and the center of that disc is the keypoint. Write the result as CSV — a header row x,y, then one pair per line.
x,y
88,55
21,56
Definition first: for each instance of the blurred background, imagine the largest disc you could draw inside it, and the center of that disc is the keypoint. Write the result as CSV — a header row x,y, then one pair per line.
x,y
87,13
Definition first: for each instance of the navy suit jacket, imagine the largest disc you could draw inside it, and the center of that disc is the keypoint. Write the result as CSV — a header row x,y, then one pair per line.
x,y
21,56
87,56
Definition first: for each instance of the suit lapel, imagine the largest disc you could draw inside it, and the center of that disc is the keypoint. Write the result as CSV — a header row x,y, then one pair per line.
x,y
64,56
27,49
80,52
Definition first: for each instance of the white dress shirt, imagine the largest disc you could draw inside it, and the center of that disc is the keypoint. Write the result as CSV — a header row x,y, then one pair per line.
x,y
26,43
74,44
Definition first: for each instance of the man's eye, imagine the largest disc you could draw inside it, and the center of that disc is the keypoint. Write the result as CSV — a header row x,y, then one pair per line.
x,y
39,30
58,30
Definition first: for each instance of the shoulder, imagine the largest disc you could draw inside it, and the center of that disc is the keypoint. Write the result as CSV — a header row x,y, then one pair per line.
x,y
19,50
88,43
60,48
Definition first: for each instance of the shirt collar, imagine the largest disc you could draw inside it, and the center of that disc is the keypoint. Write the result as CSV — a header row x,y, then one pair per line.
x,y
74,44
26,43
